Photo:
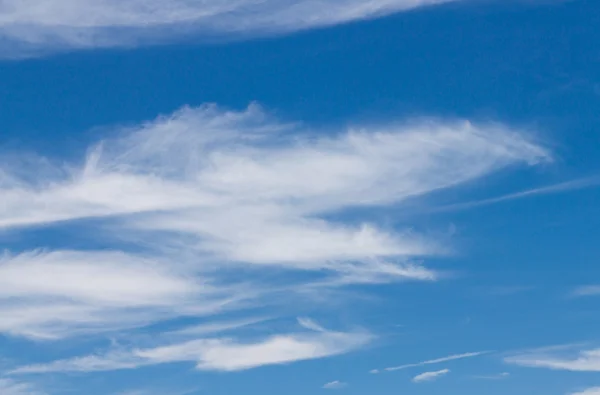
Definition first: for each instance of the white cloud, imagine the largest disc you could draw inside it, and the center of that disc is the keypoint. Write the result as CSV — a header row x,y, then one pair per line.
x,y
589,391
225,210
334,385
205,192
430,376
438,360
34,25
224,166
562,358
12,387
55,294
132,281
219,354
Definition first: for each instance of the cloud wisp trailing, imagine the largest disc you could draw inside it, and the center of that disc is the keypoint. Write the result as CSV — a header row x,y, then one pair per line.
x,y
588,391
207,211
33,26
563,187
430,376
586,290
335,385
437,360
558,358
218,354
12,387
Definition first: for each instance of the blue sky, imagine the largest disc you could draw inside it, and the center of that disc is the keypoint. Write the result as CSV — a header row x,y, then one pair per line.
x,y
300,197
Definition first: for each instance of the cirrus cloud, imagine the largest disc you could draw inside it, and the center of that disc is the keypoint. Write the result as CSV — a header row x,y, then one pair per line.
x,y
430,376
588,391
34,26
12,387
335,385
559,358
216,354
209,211
435,361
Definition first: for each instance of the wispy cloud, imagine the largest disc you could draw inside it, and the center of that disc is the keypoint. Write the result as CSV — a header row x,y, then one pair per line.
x,y
588,391
562,187
205,191
587,290
430,376
212,327
56,294
558,358
438,360
224,211
335,385
13,387
220,354
30,26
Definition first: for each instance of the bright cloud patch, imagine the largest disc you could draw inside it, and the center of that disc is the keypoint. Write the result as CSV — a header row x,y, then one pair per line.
x,y
59,293
430,376
208,212
53,24
559,359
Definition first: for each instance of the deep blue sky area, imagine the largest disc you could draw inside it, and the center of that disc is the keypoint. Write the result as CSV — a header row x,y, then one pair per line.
x,y
518,63
521,269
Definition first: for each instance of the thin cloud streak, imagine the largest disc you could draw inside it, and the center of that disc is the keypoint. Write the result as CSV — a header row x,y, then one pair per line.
x,y
12,387
563,187
588,391
216,354
587,290
216,327
31,27
438,360
430,376
558,358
